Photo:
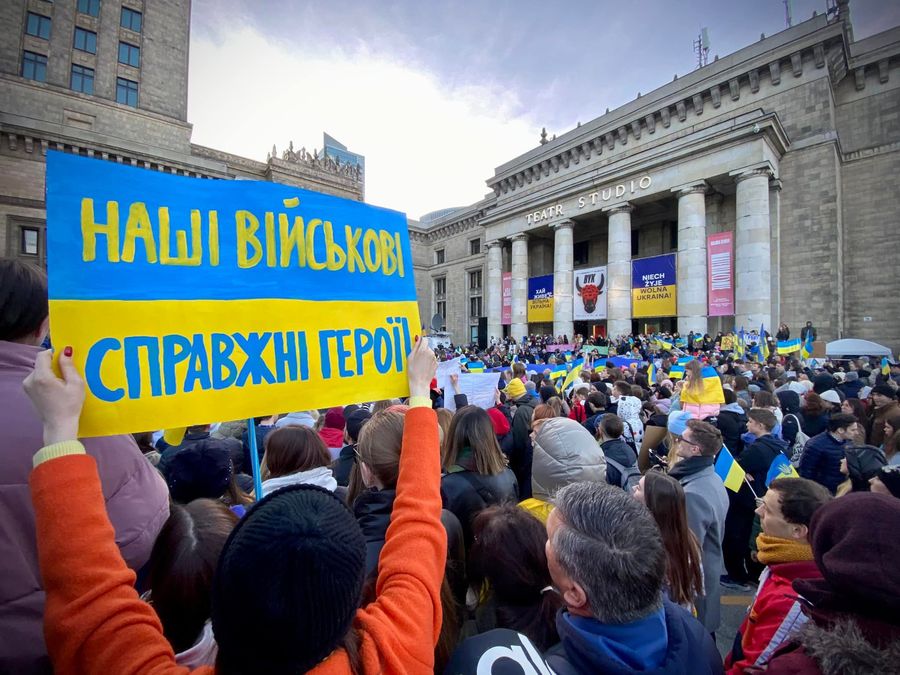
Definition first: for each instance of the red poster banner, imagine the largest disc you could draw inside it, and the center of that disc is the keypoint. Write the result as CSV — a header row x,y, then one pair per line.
x,y
506,294
720,263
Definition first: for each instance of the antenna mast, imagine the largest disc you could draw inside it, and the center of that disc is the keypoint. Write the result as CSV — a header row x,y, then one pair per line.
x,y
788,18
701,47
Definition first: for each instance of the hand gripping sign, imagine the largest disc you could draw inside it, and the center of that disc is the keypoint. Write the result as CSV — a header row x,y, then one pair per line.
x,y
190,301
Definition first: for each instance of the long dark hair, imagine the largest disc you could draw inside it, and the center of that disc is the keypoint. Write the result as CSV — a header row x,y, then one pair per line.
x,y
508,559
182,565
472,428
293,449
664,496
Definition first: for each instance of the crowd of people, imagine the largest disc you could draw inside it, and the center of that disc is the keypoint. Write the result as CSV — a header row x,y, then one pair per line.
x,y
583,528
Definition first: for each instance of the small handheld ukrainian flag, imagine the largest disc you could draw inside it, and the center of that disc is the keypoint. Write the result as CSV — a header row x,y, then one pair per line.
x,y
885,366
558,371
676,372
664,344
781,468
729,470
476,367
807,349
763,343
651,373
789,346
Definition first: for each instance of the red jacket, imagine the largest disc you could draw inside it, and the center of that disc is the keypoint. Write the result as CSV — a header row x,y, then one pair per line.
x,y
577,412
774,615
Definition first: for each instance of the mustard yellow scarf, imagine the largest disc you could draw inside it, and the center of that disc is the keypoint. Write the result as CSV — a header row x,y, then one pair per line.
x,y
773,550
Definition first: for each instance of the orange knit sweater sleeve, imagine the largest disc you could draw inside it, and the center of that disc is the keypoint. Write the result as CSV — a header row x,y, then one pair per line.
x,y
401,627
94,621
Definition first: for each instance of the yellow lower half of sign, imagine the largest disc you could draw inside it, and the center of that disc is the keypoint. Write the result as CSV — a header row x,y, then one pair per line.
x,y
652,302
158,364
540,310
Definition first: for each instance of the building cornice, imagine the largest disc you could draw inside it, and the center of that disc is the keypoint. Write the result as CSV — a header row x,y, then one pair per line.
x,y
820,43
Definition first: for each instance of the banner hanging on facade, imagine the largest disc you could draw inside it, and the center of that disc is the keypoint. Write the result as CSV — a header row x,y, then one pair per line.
x,y
590,294
540,299
653,287
506,295
191,301
720,263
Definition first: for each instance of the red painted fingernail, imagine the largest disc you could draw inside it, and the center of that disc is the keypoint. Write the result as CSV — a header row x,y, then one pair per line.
x,y
67,351
417,338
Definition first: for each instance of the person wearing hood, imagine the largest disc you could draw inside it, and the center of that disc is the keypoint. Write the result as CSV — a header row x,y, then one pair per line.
x,y
521,457
296,456
628,408
756,459
854,609
732,422
564,452
851,385
790,415
607,561
609,435
332,432
303,418
860,465
502,429
783,546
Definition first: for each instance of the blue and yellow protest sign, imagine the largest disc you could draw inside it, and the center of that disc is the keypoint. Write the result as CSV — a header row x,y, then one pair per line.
x,y
190,301
653,287
540,298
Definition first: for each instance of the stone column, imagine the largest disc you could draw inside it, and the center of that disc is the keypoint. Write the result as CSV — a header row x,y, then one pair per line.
x,y
563,266
753,251
494,289
519,327
618,313
691,271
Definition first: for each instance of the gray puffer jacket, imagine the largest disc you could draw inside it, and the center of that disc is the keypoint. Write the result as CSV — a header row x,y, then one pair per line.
x,y
564,453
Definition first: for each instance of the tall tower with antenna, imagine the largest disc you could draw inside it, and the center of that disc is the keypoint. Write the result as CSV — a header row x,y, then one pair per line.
x,y
701,48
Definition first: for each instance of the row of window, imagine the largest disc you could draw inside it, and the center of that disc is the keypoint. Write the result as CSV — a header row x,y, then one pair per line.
x,y
474,249
440,292
440,283
86,41
39,25
440,307
34,67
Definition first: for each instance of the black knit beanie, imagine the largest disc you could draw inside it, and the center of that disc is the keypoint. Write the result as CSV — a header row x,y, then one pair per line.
x,y
288,583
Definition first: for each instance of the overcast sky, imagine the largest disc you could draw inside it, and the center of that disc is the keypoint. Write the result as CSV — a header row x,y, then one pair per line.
x,y
436,94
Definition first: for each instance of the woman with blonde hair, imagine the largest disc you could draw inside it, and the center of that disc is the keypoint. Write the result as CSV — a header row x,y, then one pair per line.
x,y
692,391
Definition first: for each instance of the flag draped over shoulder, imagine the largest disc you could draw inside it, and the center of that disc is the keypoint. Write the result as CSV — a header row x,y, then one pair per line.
x,y
789,346
781,467
712,391
729,470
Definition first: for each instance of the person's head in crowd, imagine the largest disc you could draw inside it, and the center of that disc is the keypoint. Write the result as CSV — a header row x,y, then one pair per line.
x,y
765,399
729,395
355,422
882,395
664,497
788,506
378,454
182,565
290,450
499,421
860,464
334,418
814,406
610,427
855,407
886,481
379,406
595,403
699,439
842,426
547,392
204,470
637,391
556,403
741,383
580,391
471,438
605,554
515,389
518,369
24,308
531,388
445,418
760,421
832,399
621,388
349,410
542,413
663,392
693,378
144,441
508,561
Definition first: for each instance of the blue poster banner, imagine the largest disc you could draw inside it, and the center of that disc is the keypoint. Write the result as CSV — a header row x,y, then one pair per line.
x,y
540,298
653,287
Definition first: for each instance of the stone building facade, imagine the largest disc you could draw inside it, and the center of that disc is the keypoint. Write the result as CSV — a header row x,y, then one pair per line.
x,y
792,144
109,79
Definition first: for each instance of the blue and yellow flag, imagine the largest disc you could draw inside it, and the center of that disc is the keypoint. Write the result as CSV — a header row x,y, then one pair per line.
x,y
664,344
712,391
570,378
515,358
558,371
684,360
781,467
789,346
885,366
676,372
763,343
739,343
651,373
729,470
476,367
807,349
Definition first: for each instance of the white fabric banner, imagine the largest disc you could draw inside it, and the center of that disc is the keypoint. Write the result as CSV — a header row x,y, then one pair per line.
x,y
590,294
479,388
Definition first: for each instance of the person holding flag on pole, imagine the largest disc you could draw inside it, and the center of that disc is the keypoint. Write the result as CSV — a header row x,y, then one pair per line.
x,y
785,514
756,460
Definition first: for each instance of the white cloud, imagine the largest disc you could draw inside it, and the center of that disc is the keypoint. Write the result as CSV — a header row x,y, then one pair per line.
x,y
427,145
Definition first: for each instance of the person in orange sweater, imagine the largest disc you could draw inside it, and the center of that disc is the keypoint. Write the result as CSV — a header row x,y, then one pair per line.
x,y
287,588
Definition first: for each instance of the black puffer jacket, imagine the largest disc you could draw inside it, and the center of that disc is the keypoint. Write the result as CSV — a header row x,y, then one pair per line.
x,y
466,493
619,451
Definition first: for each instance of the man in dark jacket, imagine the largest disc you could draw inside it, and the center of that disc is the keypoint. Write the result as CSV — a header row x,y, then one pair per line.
x,y
732,422
822,454
607,561
884,404
609,434
851,385
807,330
520,459
755,460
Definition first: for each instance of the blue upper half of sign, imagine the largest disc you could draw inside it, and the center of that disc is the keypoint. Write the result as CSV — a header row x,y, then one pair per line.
x,y
121,233
656,271
540,287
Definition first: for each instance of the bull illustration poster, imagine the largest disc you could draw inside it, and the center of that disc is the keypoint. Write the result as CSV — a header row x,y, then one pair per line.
x,y
590,294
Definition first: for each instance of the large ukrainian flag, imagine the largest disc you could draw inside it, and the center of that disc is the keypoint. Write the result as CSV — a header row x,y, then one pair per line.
x,y
712,391
789,346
